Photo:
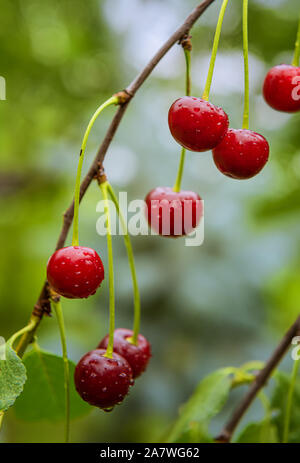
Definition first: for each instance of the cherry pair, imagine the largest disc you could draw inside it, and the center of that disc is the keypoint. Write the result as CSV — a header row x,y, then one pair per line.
x,y
199,126
104,382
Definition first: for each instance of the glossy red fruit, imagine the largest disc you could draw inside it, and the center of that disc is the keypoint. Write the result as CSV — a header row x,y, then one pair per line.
x,y
101,381
173,214
137,356
196,124
241,154
75,271
281,88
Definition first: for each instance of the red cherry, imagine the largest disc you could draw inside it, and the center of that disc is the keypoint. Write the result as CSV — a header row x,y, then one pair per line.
x,y
196,124
137,356
281,88
101,381
75,271
242,154
173,214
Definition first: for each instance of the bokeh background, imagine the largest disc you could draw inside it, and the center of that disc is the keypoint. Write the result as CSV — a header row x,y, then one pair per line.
x,y
223,303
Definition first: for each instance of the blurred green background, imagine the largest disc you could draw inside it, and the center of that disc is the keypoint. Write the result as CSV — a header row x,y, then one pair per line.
x,y
223,303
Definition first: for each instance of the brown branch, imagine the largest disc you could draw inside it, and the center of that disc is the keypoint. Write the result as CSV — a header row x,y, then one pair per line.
x,y
260,380
42,307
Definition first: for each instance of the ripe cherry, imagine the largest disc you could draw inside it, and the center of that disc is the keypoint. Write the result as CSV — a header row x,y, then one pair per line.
x,y
241,154
281,88
137,356
173,214
101,381
75,271
196,124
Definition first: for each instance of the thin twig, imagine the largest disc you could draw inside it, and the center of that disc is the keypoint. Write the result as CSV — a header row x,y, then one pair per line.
x,y
259,382
42,305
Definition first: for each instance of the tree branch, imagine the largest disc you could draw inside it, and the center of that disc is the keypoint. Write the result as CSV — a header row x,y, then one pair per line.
x,y
259,382
43,306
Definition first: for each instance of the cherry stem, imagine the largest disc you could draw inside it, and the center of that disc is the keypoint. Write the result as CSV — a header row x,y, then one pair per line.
x,y
246,65
113,100
19,333
61,324
205,95
289,403
295,61
187,55
110,346
1,418
136,293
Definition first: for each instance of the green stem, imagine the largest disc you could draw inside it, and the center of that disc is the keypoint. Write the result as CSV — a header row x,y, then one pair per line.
x,y
214,51
288,411
61,324
136,293
110,101
110,346
187,55
177,184
19,333
246,65
295,61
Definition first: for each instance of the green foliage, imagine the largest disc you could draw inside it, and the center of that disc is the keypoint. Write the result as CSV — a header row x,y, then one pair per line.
x,y
207,400
12,378
278,405
270,429
43,397
260,433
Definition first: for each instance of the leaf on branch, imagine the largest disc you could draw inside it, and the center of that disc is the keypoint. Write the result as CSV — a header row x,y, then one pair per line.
x,y
207,400
12,378
43,397
260,433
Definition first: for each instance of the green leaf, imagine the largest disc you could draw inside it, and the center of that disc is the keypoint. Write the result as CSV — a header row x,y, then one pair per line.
x,y
197,433
278,405
43,397
12,378
207,400
259,433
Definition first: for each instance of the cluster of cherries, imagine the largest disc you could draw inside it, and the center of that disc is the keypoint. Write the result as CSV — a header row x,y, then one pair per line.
x,y
198,125
103,381
77,272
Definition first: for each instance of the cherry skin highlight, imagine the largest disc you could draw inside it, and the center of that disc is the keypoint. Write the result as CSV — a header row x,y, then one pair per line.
x,y
281,88
173,214
137,356
75,271
241,154
196,124
101,381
